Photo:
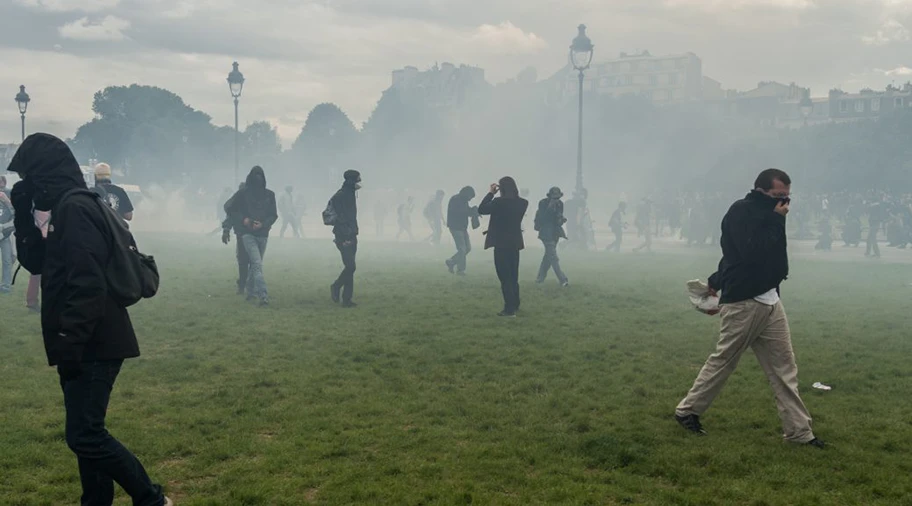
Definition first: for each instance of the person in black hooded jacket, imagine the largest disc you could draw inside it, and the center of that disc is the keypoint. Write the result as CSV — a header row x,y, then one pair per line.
x,y
459,213
252,212
549,221
345,231
87,334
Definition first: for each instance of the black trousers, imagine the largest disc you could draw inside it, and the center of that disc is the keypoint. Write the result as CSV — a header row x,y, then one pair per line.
x,y
346,280
102,459
506,262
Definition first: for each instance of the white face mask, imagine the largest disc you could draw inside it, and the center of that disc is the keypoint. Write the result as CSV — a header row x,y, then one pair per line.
x,y
357,186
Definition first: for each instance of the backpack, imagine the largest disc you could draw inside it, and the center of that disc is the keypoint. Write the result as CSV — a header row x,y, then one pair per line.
x,y
131,276
329,214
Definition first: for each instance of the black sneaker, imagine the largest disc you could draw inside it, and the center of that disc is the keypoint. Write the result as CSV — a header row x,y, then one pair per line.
x,y
334,293
264,302
691,423
349,304
450,265
507,314
816,443
565,284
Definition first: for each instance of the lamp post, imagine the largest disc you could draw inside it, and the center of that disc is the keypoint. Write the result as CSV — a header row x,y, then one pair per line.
x,y
236,85
580,58
23,100
806,106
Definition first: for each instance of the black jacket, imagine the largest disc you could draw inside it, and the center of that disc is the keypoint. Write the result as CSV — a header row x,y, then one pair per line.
x,y
255,202
346,205
458,210
549,220
505,229
79,321
754,257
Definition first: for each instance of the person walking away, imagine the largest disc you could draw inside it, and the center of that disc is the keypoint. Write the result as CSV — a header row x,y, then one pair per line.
x,y
433,212
345,232
617,226
754,264
34,285
644,224
87,333
254,212
506,237
459,213
549,222
404,216
7,227
876,217
289,213
114,195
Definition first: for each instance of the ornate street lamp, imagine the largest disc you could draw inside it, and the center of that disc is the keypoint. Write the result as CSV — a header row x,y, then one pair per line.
x,y
236,85
580,57
23,100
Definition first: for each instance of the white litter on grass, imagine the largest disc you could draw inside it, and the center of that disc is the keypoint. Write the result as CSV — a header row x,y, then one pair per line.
x,y
820,386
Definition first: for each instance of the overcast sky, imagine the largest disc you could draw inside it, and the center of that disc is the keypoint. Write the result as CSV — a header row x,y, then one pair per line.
x,y
298,53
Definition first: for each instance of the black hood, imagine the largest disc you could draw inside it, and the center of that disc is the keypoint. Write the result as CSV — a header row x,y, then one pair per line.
x,y
467,193
49,166
256,179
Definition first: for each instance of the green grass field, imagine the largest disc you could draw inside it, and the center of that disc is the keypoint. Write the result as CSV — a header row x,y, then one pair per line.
x,y
423,396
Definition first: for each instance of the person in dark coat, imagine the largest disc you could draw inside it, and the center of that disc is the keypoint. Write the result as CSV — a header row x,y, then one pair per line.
x,y
253,212
617,226
549,222
240,252
345,231
459,213
505,235
87,334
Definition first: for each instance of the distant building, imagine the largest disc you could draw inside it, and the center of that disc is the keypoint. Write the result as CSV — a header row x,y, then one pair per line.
x,y
661,79
867,103
440,86
761,105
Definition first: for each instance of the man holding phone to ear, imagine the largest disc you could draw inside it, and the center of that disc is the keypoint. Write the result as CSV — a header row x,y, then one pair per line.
x,y
754,264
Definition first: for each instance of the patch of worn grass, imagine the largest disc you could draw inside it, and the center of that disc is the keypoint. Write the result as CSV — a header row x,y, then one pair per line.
x,y
423,396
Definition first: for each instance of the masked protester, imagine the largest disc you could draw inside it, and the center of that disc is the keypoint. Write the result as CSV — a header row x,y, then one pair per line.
x,y
505,235
114,195
549,222
87,334
345,231
754,264
252,211
459,214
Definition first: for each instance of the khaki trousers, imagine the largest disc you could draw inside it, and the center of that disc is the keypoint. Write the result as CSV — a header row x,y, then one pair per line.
x,y
765,329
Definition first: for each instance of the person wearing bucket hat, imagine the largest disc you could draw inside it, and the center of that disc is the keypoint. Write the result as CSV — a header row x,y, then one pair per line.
x,y
549,222
114,195
345,230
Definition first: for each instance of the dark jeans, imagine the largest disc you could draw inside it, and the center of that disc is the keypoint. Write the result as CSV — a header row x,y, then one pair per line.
x,y
463,248
102,459
506,262
243,263
618,239
551,261
346,279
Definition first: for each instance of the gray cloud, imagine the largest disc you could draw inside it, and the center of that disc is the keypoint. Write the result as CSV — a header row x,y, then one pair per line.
x,y
298,53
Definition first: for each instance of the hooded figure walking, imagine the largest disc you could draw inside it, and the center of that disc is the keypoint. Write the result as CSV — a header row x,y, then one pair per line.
x,y
252,211
87,334
549,222
459,213
345,231
505,235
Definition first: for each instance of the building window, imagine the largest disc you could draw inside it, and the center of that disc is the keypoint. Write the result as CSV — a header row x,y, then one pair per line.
x,y
843,106
897,102
679,64
673,79
653,81
628,80
875,104
859,106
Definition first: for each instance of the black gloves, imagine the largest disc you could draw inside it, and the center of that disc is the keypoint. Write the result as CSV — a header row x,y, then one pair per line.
x,y
69,370
226,236
29,242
